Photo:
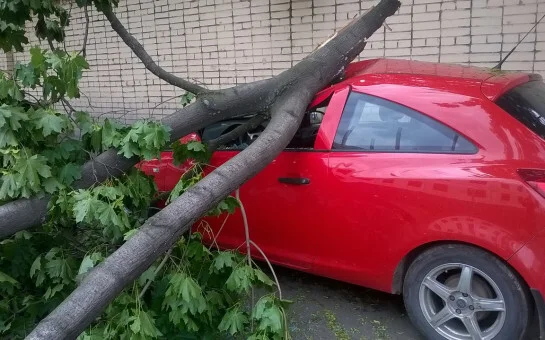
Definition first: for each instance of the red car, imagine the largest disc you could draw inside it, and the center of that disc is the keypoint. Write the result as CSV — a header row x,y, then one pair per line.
x,y
413,178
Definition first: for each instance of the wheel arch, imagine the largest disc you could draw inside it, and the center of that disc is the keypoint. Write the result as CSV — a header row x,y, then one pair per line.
x,y
402,266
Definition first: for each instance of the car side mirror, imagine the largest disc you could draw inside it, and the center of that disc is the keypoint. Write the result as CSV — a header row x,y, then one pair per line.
x,y
316,117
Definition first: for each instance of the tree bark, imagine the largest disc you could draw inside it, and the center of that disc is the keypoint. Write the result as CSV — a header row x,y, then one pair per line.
x,y
210,107
297,86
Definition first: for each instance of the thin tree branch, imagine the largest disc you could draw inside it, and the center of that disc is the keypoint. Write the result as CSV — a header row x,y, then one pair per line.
x,y
146,59
86,35
270,267
67,103
51,46
155,272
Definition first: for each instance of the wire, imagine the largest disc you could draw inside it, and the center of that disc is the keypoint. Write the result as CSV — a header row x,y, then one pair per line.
x,y
498,67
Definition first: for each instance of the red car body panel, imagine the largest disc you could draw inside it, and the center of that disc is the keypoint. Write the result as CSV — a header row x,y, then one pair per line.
x,y
363,212
530,262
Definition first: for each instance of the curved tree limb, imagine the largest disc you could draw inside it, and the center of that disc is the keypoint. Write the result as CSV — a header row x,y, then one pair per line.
x,y
162,230
146,59
83,50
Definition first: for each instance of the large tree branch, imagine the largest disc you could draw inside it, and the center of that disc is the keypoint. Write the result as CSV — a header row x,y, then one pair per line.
x,y
146,59
160,232
207,109
210,107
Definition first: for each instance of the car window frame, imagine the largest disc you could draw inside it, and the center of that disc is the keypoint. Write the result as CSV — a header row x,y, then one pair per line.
x,y
361,150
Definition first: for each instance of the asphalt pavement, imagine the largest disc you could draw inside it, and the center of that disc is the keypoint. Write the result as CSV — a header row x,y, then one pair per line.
x,y
325,309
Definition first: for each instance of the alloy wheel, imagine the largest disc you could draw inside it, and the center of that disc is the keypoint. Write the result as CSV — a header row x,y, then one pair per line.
x,y
462,303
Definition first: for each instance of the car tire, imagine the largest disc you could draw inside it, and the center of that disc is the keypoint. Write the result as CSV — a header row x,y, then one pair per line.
x,y
459,292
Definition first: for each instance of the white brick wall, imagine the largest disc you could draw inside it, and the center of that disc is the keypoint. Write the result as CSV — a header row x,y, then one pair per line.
x,y
235,41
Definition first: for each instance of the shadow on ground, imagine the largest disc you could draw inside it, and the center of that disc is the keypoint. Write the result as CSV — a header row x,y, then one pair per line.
x,y
329,310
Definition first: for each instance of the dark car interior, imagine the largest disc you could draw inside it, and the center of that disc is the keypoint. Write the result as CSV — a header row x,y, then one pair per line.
x,y
304,137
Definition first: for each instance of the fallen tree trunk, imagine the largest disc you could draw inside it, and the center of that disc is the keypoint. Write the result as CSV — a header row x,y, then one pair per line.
x,y
289,93
210,107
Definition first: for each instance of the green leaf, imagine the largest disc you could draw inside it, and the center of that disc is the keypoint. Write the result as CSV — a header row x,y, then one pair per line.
x,y
53,290
69,173
263,278
94,138
71,74
36,266
227,205
188,290
193,150
10,90
196,250
129,149
8,279
36,4
110,134
144,324
86,264
148,275
240,280
7,137
11,117
196,146
83,121
4,326
37,58
108,216
10,187
127,235
156,135
234,321
183,184
51,185
54,59
223,259
144,139
135,325
57,265
109,192
49,123
186,98
29,171
268,314
84,202
26,74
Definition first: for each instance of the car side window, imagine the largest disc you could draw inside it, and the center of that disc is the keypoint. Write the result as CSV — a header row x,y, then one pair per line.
x,y
375,124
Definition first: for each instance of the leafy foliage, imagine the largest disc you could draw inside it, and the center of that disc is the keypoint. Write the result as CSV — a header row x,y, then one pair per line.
x,y
194,292
52,20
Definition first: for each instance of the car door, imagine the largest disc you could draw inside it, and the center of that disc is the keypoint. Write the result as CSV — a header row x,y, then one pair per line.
x,y
388,170
284,203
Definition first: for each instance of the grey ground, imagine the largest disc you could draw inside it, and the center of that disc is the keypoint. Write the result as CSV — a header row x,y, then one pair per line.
x,y
329,310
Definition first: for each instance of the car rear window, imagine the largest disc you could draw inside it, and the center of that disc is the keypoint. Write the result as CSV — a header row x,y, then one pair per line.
x,y
526,103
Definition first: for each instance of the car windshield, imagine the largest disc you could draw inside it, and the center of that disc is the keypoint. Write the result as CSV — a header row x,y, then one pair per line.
x,y
526,103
